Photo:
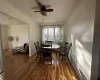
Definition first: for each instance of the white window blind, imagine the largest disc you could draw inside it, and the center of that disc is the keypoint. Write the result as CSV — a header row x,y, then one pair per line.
x,y
51,34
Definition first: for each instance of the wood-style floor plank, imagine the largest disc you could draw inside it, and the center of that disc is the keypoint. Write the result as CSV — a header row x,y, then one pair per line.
x,y
22,67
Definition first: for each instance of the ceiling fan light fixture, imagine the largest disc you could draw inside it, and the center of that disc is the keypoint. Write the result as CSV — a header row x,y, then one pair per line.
x,y
43,8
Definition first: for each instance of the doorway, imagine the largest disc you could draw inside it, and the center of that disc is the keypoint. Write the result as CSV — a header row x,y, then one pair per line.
x,y
14,34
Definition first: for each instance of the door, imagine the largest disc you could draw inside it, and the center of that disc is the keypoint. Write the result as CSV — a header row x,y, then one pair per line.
x,y
1,60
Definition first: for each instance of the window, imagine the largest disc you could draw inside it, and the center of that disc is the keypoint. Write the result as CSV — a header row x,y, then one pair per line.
x,y
51,34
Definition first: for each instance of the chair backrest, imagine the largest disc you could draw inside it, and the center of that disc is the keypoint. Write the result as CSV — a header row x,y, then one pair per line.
x,y
70,45
37,43
66,44
35,46
46,50
67,47
48,42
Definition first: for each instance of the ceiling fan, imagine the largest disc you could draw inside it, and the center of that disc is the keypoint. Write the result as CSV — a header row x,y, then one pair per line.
x,y
42,8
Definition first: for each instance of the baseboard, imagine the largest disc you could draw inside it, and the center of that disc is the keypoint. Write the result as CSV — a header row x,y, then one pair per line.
x,y
73,67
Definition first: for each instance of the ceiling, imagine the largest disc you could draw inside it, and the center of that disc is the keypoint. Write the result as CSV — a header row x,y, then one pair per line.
x,y
61,8
8,20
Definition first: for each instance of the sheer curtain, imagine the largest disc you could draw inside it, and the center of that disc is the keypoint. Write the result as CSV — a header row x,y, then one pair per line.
x,y
51,33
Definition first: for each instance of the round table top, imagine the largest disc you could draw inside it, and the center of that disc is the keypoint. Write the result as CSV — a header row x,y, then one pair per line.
x,y
54,46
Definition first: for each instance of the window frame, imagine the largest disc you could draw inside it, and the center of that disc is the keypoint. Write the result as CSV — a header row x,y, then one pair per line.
x,y
60,33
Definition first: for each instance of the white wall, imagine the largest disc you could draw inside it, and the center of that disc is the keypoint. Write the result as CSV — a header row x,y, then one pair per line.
x,y
34,32
79,31
4,35
20,31
14,12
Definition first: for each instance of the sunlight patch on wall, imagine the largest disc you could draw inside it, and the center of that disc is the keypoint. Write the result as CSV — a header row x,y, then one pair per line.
x,y
84,59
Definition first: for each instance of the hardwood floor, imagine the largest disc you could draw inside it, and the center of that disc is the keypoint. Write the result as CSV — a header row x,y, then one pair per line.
x,y
22,67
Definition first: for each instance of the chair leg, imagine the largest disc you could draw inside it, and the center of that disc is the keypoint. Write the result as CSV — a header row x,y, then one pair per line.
x,y
56,54
51,60
43,60
62,57
40,57
59,56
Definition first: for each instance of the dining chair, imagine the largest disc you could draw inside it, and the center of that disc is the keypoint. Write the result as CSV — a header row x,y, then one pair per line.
x,y
66,44
38,45
64,52
48,42
47,52
38,50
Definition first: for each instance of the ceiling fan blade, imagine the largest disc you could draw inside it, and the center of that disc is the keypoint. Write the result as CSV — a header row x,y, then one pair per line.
x,y
49,10
37,11
40,5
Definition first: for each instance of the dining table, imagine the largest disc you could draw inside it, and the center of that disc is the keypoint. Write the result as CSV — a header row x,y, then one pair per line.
x,y
55,47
